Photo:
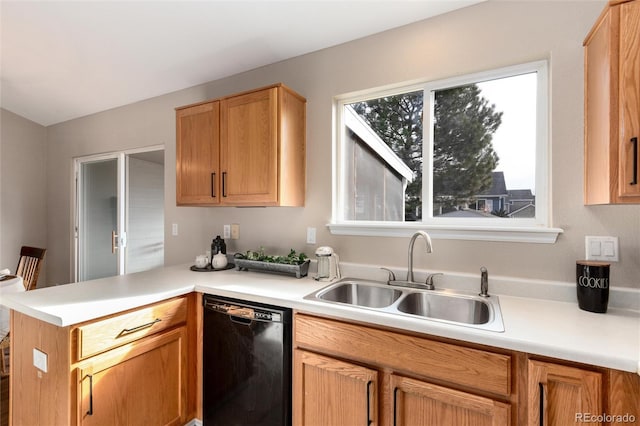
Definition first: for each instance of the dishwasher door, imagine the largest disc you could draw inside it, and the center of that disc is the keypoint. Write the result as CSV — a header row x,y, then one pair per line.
x,y
246,363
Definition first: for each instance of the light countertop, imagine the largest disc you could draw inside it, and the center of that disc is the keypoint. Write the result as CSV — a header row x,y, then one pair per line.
x,y
544,327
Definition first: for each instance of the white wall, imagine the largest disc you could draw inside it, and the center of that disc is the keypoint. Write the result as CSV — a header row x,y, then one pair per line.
x,y
22,189
489,35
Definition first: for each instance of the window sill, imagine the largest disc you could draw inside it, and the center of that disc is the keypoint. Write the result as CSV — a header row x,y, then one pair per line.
x,y
450,232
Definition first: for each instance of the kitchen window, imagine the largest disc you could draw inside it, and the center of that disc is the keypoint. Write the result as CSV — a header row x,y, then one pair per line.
x,y
462,158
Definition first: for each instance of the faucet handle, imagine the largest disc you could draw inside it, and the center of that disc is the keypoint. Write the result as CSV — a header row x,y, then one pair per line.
x,y
429,281
392,275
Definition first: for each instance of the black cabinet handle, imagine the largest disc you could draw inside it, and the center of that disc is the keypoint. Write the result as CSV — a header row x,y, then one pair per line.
x,y
126,331
213,185
90,411
369,421
395,406
224,184
634,179
541,407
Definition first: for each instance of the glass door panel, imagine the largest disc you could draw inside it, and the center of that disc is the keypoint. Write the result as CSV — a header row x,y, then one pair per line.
x,y
98,219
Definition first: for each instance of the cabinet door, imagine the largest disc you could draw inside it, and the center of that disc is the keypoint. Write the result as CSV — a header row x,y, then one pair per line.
x,y
198,154
630,99
559,395
249,148
142,383
424,404
332,392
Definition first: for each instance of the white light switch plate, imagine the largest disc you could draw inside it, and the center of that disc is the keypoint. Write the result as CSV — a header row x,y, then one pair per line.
x,y
40,360
235,231
311,235
601,248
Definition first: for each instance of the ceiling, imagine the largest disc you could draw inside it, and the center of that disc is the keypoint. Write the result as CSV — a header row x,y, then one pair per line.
x,y
61,60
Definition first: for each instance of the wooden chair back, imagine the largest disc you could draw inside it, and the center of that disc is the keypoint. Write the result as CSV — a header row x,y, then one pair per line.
x,y
29,265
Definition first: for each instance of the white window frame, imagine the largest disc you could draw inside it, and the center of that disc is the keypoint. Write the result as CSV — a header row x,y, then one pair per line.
x,y
533,230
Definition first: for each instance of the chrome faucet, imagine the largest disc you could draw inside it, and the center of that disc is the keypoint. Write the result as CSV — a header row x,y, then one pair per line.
x,y
409,282
484,282
415,236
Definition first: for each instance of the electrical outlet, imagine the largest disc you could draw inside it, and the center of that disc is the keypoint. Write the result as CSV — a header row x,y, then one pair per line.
x,y
311,235
226,232
601,248
235,231
174,229
40,360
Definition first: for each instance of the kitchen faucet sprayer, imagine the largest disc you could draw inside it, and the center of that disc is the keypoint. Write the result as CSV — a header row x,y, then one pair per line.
x,y
484,282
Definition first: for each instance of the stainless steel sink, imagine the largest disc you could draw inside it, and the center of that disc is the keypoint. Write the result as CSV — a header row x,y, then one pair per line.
x,y
446,306
450,308
360,294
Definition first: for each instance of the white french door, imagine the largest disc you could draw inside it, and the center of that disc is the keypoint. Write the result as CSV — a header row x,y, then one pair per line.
x,y
106,189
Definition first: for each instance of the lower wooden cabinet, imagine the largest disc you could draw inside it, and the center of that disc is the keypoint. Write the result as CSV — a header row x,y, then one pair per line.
x,y
361,377
354,374
416,402
333,392
138,384
561,395
132,368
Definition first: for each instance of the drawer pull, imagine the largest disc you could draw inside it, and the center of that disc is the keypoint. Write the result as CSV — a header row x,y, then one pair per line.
x,y
126,331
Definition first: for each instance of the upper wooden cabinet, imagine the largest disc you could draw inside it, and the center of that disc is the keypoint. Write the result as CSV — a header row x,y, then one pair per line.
x,y
612,106
247,149
198,154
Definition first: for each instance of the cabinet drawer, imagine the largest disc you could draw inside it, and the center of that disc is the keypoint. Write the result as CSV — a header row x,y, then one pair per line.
x,y
99,336
468,367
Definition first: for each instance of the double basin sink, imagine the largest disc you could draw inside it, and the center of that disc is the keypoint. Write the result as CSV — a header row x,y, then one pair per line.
x,y
445,306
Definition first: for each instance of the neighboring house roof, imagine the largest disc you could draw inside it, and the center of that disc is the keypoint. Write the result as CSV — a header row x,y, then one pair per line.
x,y
358,126
498,186
521,194
527,211
466,213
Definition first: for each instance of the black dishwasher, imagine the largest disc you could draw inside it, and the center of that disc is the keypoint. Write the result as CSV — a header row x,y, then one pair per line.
x,y
246,363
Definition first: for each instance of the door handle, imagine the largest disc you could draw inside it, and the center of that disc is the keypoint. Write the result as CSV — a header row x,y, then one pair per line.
x,y
369,421
634,179
541,407
114,242
90,410
395,406
213,185
224,184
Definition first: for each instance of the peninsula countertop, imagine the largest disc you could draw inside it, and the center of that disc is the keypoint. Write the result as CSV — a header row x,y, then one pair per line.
x,y
544,327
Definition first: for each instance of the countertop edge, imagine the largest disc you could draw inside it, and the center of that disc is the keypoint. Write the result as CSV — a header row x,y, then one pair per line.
x,y
559,334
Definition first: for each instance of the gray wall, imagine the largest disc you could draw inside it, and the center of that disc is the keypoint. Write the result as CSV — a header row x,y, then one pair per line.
x,y
23,208
489,35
